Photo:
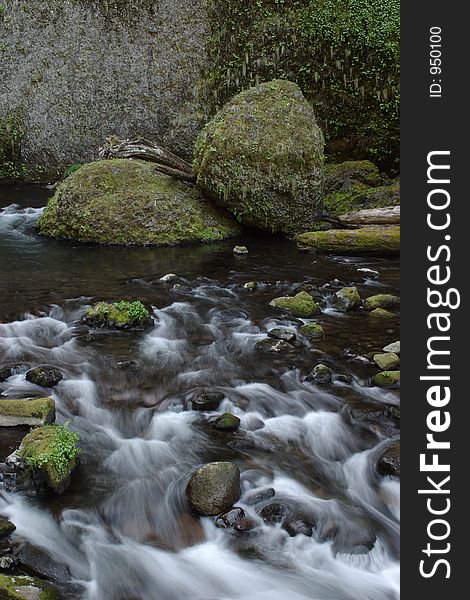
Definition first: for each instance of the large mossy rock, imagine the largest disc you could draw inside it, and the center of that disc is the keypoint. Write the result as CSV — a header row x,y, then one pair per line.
x,y
129,202
213,488
376,240
117,315
300,305
30,411
261,157
22,587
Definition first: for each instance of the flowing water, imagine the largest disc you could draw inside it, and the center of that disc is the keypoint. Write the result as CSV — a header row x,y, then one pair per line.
x,y
123,531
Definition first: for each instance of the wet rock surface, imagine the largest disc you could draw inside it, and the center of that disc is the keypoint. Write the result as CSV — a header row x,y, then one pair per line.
x,y
213,488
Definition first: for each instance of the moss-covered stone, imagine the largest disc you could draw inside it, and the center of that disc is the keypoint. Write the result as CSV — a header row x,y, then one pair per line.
x,y
358,196
118,315
387,379
381,313
129,202
53,451
14,587
381,301
386,361
227,422
312,331
6,528
376,240
348,298
300,305
320,374
261,157
341,176
213,488
30,411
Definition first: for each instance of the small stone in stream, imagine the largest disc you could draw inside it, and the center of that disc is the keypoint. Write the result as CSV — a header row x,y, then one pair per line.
x,y
282,333
240,250
381,313
169,277
6,528
312,331
229,518
245,525
273,513
213,488
387,379
250,285
181,289
257,496
300,305
347,299
394,347
294,528
5,374
366,411
227,422
44,376
7,562
207,401
387,361
381,301
393,412
274,346
389,461
342,378
320,374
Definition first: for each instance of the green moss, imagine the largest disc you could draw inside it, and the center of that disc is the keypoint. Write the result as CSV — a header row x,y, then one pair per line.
x,y
261,157
120,315
359,196
386,361
343,55
300,305
381,313
54,450
227,422
71,170
6,528
313,331
347,298
42,409
14,587
379,240
387,379
11,139
381,301
129,202
339,175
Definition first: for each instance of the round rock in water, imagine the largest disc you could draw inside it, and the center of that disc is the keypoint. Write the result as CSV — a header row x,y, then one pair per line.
x,y
240,250
207,401
227,422
273,513
213,488
44,376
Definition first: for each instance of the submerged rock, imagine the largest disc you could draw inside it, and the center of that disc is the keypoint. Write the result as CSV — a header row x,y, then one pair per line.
x,y
376,240
300,305
388,462
257,496
230,518
44,376
347,299
118,315
387,361
387,379
213,488
128,202
273,513
6,528
312,331
227,422
207,401
261,157
244,525
30,411
298,527
382,301
19,587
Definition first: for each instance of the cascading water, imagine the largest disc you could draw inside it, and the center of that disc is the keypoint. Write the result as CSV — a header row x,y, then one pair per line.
x,y
123,530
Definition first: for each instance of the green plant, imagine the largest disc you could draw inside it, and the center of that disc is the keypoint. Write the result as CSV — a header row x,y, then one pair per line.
x,y
55,447
135,311
71,169
11,138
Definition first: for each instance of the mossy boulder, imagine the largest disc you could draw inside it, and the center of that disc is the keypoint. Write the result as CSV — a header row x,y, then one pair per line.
x,y
387,379
227,422
347,298
128,202
381,313
386,361
22,587
312,331
213,488
44,376
366,240
261,157
320,374
30,411
118,315
340,176
6,528
50,453
382,301
300,305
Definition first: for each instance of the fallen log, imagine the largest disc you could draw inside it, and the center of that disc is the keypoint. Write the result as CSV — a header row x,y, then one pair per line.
x,y
389,215
165,161
375,239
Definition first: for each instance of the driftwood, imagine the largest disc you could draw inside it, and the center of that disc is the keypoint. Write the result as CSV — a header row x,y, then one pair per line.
x,y
389,215
166,162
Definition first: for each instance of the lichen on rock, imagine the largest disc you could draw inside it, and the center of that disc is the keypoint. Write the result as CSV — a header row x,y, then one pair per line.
x,y
300,305
128,202
261,157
